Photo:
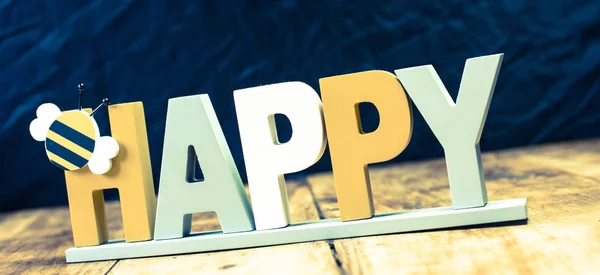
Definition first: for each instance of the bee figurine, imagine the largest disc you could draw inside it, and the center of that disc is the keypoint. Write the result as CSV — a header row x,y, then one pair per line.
x,y
73,138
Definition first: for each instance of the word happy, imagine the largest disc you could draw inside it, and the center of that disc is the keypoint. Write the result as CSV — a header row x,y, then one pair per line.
x,y
161,226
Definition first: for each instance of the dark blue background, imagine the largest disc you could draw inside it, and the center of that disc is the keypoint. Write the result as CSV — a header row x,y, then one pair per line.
x,y
151,51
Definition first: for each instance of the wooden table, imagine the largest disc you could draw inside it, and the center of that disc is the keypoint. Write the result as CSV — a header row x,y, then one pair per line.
x,y
562,235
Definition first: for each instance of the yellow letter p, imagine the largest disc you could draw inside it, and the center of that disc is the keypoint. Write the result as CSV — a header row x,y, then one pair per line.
x,y
351,149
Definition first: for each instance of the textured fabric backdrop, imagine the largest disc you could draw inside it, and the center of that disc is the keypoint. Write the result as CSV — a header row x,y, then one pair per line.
x,y
151,51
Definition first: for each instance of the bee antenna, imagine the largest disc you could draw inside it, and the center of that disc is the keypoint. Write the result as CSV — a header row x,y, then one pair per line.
x,y
81,87
105,102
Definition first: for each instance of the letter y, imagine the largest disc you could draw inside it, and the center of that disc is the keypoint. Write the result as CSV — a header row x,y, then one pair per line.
x,y
457,126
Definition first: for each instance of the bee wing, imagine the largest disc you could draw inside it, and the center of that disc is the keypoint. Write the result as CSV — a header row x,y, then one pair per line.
x,y
39,128
46,114
99,165
107,147
48,111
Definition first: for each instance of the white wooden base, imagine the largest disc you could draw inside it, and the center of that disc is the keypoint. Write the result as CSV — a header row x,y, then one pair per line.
x,y
415,220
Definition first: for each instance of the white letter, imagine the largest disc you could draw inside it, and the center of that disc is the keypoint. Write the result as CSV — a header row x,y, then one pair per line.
x,y
265,158
457,126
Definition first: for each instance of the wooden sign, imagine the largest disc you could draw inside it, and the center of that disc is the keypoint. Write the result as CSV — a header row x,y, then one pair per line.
x,y
193,134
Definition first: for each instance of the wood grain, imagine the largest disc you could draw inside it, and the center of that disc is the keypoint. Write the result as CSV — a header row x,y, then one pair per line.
x,y
562,235
303,258
34,242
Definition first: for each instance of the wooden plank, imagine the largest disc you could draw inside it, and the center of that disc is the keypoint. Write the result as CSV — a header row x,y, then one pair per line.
x,y
302,258
580,158
14,223
34,242
562,234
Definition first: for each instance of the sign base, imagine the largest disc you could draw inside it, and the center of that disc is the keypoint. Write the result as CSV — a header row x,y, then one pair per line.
x,y
407,221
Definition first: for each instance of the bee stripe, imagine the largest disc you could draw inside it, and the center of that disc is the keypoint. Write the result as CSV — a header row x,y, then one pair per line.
x,y
64,153
69,145
73,135
80,121
61,163
59,166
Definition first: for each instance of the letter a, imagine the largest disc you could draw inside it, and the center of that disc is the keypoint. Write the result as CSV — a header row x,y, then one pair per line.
x,y
193,130
457,126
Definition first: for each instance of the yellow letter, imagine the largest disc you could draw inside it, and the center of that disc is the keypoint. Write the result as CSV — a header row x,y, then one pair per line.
x,y
131,174
351,149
